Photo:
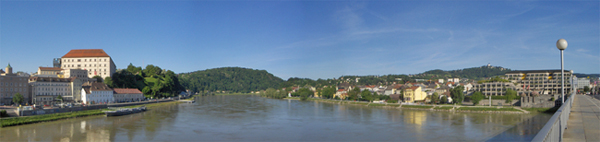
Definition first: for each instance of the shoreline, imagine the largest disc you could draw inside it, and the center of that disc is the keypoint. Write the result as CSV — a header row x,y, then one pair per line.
x,y
24,120
426,107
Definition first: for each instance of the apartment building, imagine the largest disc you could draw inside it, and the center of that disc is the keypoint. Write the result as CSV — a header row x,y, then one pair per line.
x,y
95,61
45,90
527,82
11,84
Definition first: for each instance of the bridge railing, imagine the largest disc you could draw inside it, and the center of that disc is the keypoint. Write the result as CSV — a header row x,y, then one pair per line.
x,y
555,128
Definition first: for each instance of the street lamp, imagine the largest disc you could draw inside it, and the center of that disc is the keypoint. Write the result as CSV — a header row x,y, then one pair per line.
x,y
562,44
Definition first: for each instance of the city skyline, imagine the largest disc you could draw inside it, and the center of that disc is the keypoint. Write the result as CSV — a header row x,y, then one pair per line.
x,y
306,39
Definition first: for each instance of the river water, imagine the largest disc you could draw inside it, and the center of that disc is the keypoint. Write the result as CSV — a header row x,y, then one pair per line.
x,y
253,118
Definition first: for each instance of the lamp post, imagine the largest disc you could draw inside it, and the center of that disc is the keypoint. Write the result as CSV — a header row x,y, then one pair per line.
x,y
562,44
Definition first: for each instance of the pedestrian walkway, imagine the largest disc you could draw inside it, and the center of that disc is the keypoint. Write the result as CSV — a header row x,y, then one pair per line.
x,y
584,120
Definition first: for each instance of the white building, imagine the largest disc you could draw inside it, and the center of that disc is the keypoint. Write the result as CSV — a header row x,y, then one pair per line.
x,y
95,61
441,80
455,80
48,72
95,93
45,90
128,95
582,82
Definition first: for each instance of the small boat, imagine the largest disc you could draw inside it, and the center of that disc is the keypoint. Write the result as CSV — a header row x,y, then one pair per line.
x,y
125,111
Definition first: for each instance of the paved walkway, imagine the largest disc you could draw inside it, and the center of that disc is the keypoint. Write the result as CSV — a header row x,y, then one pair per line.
x,y
584,120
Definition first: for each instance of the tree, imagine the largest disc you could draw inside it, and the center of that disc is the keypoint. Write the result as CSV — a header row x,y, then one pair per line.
x,y
60,98
586,89
444,99
108,81
353,94
476,97
510,95
435,98
304,93
457,94
18,98
98,78
366,95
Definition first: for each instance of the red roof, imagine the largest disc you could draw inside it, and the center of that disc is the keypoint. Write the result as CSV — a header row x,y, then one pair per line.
x,y
50,69
127,91
340,90
85,53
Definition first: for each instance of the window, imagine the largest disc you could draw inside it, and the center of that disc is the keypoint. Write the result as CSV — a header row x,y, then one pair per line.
x,y
78,65
94,60
78,60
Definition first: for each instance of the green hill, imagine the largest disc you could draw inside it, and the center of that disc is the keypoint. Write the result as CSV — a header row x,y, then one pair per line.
x,y
232,79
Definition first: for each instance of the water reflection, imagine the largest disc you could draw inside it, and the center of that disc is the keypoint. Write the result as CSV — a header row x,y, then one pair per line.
x,y
230,118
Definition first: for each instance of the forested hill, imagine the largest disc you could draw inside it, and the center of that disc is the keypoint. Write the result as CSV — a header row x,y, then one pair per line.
x,y
471,73
232,79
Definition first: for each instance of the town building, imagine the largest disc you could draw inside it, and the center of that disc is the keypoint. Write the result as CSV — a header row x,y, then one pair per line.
x,y
48,72
95,61
456,80
127,95
582,82
96,93
45,90
526,82
413,94
12,84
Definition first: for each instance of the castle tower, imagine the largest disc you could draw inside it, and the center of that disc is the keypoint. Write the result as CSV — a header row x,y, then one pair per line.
x,y
8,69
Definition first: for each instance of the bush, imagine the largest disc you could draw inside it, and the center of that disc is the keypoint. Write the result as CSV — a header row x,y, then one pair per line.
x,y
476,97
392,101
3,113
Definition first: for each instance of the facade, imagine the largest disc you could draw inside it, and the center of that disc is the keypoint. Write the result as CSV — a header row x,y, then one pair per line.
x,y
582,82
128,95
11,84
48,72
45,90
95,61
95,93
456,80
413,94
527,82
541,81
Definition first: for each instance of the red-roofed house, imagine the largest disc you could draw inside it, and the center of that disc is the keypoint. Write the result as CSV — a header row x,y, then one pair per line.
x,y
95,61
128,95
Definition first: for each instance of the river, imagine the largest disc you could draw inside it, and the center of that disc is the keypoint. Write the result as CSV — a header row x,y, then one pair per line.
x,y
253,118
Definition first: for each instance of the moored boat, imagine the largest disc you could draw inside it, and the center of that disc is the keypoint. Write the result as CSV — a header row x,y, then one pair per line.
x,y
125,111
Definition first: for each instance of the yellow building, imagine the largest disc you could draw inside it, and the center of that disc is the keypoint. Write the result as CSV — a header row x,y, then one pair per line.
x,y
413,94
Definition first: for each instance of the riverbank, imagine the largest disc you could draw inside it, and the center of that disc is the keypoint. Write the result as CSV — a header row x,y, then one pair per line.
x,y
449,108
235,94
15,121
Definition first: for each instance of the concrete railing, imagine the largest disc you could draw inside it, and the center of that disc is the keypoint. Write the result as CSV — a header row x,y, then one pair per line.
x,y
555,128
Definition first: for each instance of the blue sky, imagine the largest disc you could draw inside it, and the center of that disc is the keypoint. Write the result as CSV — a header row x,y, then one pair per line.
x,y
311,39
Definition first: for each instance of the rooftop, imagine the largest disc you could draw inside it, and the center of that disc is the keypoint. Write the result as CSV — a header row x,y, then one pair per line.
x,y
50,69
85,53
536,71
127,91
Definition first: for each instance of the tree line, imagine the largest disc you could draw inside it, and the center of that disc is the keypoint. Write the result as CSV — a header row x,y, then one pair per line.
x,y
153,81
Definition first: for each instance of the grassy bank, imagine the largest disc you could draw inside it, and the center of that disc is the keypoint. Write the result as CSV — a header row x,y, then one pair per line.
x,y
444,108
488,109
47,117
416,106
14,121
235,94
542,110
